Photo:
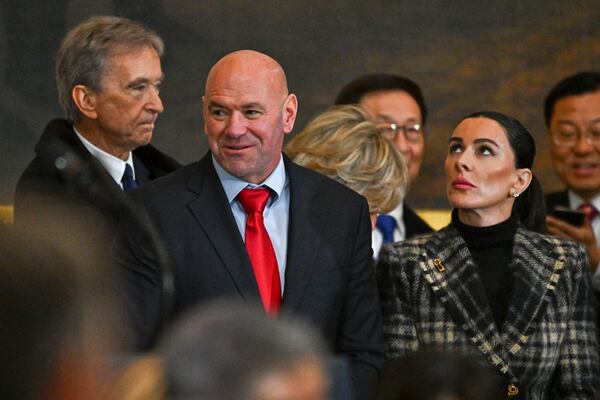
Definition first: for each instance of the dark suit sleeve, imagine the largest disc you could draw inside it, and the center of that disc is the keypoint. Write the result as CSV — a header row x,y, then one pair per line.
x,y
361,337
42,193
140,282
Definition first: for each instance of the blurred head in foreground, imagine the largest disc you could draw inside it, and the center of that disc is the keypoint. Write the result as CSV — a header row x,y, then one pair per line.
x,y
231,351
52,340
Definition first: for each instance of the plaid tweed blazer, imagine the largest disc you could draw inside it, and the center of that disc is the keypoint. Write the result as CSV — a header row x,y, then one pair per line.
x,y
547,347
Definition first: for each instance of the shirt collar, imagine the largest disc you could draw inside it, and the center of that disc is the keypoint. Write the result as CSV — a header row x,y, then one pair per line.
x,y
575,200
397,213
233,185
113,165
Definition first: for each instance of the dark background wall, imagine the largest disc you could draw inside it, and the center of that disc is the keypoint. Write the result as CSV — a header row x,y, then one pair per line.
x,y
466,55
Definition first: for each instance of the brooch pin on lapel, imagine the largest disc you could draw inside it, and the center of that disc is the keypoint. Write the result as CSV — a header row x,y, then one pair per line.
x,y
438,264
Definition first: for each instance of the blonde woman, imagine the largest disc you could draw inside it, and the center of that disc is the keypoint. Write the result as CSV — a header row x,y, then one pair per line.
x,y
344,145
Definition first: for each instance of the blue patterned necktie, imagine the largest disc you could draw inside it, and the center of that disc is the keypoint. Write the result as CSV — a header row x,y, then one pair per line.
x,y
386,225
127,180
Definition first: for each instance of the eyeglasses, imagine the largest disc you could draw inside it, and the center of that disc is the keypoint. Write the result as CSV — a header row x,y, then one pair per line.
x,y
412,132
568,138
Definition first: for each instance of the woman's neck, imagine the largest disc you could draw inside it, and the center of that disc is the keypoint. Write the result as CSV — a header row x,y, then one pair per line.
x,y
483,217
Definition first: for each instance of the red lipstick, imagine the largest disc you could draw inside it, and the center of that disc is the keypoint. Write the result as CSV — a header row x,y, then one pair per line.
x,y
462,183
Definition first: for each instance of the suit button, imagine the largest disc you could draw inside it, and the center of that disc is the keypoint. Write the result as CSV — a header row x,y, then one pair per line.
x,y
513,390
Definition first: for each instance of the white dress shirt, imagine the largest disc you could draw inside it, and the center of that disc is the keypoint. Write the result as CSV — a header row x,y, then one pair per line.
x,y
399,231
113,165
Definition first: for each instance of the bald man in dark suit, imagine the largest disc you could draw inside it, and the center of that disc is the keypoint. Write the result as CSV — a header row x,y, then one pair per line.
x,y
319,230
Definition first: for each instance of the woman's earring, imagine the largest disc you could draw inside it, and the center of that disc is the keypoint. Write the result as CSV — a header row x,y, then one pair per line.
x,y
514,193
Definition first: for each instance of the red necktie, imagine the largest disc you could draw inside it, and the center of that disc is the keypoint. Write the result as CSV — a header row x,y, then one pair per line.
x,y
589,210
260,249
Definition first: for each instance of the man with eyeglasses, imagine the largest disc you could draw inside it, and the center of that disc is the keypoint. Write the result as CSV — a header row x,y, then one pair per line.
x,y
398,107
572,113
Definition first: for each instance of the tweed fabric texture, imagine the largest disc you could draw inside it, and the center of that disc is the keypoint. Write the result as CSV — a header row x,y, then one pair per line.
x,y
432,296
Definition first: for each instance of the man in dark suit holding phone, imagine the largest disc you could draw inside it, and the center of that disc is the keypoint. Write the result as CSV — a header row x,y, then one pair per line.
x,y
572,113
305,248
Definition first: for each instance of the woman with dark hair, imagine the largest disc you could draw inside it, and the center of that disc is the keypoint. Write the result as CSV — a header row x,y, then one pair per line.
x,y
490,283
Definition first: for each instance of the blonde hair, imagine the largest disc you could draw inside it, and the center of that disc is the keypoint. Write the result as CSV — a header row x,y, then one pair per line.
x,y
343,144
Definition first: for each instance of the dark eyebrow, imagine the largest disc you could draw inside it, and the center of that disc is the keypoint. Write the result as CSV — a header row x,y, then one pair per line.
x,y
569,122
390,119
484,140
476,141
385,118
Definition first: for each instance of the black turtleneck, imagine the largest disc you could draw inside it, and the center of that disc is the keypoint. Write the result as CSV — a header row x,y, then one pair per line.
x,y
491,249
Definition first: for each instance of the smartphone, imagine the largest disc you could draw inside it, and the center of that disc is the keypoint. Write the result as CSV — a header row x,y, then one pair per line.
x,y
573,217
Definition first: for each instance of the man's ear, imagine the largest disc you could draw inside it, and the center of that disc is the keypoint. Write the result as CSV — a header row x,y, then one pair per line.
x,y
524,177
290,110
85,100
203,106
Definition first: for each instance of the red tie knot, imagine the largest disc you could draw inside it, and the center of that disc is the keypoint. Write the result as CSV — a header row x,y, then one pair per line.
x,y
254,200
589,210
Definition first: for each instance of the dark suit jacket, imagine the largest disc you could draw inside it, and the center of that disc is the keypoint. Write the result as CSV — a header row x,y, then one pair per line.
x,y
329,277
414,224
547,345
562,199
42,188
557,199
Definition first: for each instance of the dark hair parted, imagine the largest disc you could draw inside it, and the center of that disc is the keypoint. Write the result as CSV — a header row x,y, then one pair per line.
x,y
365,84
573,85
529,206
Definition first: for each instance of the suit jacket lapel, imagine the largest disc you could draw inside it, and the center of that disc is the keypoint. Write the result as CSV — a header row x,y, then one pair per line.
x,y
303,238
536,267
211,210
413,224
59,135
142,174
448,267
